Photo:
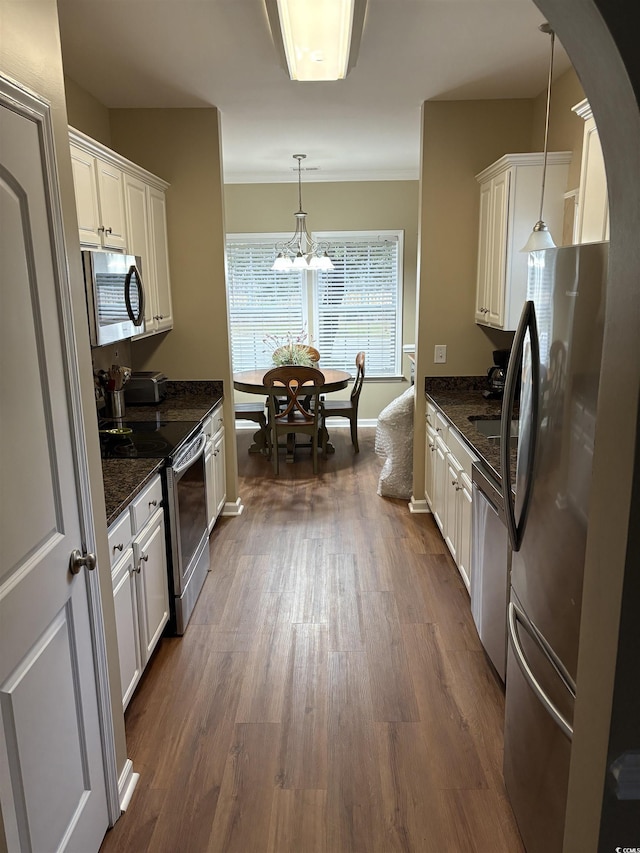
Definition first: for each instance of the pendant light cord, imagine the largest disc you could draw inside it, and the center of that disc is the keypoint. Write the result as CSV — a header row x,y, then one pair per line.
x,y
546,124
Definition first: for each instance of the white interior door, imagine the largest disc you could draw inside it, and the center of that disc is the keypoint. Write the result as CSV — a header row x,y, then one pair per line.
x,y
52,770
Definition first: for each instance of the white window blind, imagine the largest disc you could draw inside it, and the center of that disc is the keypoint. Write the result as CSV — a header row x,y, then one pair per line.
x,y
260,302
358,303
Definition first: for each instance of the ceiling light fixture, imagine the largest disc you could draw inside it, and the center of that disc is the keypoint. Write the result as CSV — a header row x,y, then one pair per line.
x,y
317,41
540,237
301,251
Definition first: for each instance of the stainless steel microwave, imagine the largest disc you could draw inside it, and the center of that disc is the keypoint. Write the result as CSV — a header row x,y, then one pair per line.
x,y
115,296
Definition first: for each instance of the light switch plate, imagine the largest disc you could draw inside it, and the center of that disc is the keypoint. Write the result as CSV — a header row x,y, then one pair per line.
x,y
440,354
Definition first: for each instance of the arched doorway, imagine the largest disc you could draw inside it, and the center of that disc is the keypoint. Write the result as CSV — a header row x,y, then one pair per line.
x,y
598,40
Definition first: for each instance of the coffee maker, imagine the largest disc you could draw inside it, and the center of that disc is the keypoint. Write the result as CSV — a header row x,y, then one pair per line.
x,y
496,375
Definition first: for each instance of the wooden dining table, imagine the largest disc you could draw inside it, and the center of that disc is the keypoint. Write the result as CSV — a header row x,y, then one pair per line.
x,y
252,382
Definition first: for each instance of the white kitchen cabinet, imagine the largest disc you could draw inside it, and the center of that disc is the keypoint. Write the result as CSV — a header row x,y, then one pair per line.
x,y
110,187
99,201
150,557
429,465
125,602
147,237
591,224
509,208
448,489
214,463
140,583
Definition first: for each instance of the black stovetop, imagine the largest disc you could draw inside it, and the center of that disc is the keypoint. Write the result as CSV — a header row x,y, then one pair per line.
x,y
123,439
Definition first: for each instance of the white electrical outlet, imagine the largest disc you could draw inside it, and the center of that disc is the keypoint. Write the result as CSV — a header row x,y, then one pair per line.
x,y
440,354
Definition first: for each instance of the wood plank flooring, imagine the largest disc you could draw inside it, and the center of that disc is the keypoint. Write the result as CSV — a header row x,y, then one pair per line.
x,y
330,694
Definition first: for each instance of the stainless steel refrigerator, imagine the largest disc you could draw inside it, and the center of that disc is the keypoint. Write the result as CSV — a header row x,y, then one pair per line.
x,y
558,346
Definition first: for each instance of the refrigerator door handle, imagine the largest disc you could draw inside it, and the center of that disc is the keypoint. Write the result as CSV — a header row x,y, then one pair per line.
x,y
515,615
527,323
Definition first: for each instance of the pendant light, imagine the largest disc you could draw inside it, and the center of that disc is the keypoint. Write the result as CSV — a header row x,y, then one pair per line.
x,y
301,252
540,237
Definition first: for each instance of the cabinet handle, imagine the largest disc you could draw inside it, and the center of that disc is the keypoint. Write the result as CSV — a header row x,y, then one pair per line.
x,y
101,229
433,447
438,429
108,230
454,482
144,557
153,502
118,547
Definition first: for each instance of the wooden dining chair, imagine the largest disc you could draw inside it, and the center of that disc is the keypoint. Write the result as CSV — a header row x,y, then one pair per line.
x,y
346,408
293,383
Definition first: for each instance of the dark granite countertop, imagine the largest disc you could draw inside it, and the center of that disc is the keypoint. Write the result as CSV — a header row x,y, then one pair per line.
x,y
460,403
125,478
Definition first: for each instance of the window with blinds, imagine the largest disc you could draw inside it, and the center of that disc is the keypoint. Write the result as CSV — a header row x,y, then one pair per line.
x,y
260,302
356,306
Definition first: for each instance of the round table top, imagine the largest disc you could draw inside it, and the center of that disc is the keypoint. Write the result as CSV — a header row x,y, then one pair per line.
x,y
250,381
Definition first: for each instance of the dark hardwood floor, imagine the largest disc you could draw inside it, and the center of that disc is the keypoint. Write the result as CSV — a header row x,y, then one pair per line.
x,y
330,694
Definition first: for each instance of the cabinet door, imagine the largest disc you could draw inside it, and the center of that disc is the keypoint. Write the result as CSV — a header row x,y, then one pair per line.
x,y
210,474
160,247
139,241
451,526
111,198
429,465
86,192
440,484
482,283
152,583
464,497
593,205
220,471
125,602
497,261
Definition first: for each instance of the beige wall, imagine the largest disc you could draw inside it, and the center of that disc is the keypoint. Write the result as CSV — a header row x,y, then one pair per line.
x,y
183,147
459,139
86,113
30,53
367,206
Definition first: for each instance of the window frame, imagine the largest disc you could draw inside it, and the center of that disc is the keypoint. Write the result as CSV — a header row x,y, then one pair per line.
x,y
310,281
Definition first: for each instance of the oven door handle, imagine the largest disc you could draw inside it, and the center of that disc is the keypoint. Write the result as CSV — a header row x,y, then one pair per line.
x,y
190,454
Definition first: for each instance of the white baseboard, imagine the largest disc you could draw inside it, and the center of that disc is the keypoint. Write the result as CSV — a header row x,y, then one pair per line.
x,y
127,784
418,506
233,507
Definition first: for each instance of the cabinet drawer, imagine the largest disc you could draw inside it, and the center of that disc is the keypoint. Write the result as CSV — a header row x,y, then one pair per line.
x,y
441,426
146,504
431,415
459,449
119,535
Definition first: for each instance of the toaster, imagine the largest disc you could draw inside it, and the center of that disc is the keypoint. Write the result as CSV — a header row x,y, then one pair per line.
x,y
145,386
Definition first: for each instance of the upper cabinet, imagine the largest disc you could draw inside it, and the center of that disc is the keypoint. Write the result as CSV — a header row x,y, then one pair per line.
x,y
147,237
123,207
99,200
591,224
509,208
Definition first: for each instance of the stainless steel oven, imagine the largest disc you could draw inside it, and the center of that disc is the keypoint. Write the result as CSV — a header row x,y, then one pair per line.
x,y
187,506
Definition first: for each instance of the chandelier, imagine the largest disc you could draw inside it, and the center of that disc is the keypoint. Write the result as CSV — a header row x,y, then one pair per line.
x,y
301,252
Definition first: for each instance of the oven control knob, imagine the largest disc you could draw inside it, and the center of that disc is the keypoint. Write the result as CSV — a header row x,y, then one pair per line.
x,y
77,560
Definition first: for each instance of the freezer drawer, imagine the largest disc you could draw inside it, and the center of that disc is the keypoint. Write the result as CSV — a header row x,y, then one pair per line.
x,y
537,747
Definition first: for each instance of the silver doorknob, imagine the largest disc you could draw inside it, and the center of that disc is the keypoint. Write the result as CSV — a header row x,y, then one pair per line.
x,y
78,560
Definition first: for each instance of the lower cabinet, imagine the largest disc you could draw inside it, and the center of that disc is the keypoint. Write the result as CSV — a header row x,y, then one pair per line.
x,y
215,467
448,488
140,583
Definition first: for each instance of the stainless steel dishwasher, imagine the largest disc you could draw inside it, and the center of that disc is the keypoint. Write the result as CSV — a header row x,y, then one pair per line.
x,y
490,566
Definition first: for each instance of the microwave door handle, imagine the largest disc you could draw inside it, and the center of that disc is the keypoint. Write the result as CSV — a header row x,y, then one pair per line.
x,y
134,272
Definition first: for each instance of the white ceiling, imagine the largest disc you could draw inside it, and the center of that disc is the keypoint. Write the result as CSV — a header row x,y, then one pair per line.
x,y
199,53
